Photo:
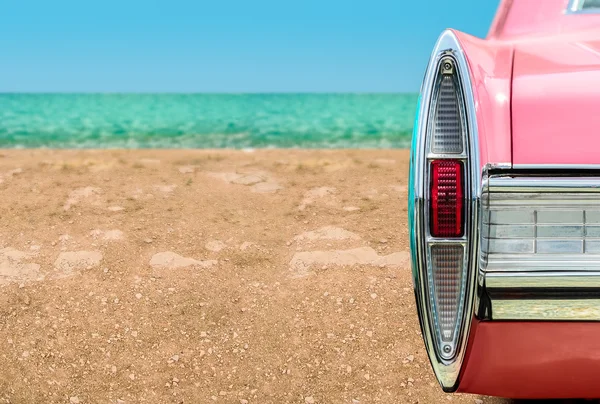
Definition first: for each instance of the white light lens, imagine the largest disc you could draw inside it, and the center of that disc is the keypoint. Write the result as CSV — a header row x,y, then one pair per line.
x,y
447,127
447,274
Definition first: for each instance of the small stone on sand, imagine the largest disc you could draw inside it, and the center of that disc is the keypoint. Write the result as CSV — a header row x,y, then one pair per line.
x,y
171,260
245,245
314,194
250,179
187,169
79,194
70,261
149,161
259,181
327,233
302,261
108,235
215,245
166,189
112,235
266,188
14,269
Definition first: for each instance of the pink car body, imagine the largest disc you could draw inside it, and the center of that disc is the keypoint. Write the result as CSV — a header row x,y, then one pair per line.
x,y
524,292
544,65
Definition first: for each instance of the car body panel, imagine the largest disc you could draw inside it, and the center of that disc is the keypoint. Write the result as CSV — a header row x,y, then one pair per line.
x,y
491,72
556,98
518,19
533,360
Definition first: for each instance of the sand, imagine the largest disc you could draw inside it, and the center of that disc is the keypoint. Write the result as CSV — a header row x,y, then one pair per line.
x,y
208,277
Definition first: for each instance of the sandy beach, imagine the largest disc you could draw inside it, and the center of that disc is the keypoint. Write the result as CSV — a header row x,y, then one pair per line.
x,y
170,276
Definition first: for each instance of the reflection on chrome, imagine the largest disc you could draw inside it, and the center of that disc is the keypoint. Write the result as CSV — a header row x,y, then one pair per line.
x,y
549,310
540,246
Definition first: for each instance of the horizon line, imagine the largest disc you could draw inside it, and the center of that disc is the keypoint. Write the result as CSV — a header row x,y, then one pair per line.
x,y
209,93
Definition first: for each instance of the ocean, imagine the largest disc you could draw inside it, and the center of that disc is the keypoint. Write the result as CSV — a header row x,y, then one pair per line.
x,y
206,120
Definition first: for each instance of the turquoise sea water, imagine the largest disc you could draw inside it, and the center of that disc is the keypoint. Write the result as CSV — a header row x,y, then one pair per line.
x,y
206,120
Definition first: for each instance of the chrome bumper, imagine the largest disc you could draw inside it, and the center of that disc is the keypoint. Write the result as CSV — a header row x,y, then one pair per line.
x,y
540,249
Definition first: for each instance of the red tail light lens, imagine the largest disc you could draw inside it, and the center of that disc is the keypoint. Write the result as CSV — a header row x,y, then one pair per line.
x,y
447,198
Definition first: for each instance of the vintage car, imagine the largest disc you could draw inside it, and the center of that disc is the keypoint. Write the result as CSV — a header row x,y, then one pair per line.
x,y
504,204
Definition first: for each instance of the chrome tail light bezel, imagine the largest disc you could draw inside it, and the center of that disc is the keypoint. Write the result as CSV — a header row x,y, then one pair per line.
x,y
446,365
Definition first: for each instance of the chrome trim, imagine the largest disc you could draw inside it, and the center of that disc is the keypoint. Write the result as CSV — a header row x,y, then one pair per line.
x,y
457,240
556,166
530,184
511,263
543,280
434,156
576,7
446,371
497,166
540,247
546,309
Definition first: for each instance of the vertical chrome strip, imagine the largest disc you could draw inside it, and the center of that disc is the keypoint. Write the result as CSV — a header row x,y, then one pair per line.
x,y
447,371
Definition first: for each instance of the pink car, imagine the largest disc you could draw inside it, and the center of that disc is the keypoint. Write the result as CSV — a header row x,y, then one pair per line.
x,y
504,205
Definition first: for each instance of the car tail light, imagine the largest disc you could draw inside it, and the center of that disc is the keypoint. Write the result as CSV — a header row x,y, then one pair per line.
x,y
444,202
446,198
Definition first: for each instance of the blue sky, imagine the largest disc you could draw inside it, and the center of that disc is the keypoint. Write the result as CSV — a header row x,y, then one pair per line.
x,y
226,45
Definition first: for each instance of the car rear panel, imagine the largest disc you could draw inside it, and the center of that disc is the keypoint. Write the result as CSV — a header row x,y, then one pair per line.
x,y
536,360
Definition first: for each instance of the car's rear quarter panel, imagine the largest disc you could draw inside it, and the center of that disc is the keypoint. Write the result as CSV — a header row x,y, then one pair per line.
x,y
490,67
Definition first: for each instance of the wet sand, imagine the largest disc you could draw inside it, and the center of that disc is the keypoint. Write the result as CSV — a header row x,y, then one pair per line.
x,y
209,276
